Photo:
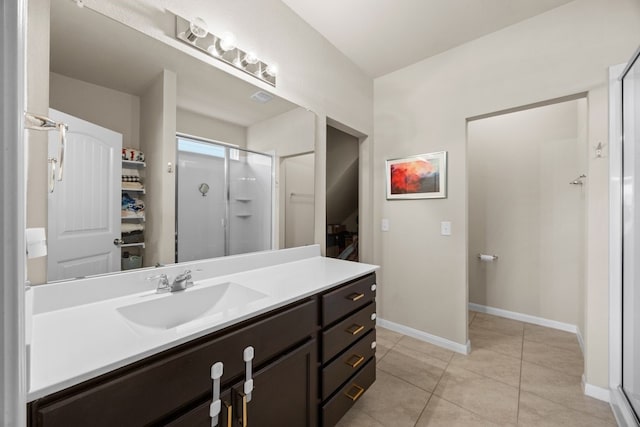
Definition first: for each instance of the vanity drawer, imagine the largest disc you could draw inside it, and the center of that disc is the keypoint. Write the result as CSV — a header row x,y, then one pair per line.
x,y
344,399
348,298
348,331
347,364
144,392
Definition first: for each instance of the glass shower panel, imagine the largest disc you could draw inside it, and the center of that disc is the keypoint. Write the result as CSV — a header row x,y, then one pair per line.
x,y
250,201
200,201
631,237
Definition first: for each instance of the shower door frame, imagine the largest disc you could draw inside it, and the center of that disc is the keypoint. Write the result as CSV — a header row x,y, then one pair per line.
x,y
624,413
227,147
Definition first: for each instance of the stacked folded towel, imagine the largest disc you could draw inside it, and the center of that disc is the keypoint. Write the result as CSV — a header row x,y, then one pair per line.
x,y
130,175
131,206
132,233
132,154
131,179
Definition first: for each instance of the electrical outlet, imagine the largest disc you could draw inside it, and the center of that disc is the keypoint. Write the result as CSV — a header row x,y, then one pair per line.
x,y
384,225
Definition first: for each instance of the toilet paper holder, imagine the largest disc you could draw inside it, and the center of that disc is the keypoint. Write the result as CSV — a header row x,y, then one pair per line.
x,y
487,257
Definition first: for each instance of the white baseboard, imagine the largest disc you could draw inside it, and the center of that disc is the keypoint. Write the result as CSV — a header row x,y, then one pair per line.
x,y
596,392
424,336
567,327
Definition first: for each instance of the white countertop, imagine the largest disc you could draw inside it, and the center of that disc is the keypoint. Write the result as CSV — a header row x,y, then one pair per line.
x,y
73,344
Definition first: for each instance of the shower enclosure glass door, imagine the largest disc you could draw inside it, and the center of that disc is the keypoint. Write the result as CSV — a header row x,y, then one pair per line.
x,y
631,236
224,200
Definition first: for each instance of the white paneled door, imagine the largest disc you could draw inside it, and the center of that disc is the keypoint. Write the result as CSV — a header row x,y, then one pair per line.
x,y
84,208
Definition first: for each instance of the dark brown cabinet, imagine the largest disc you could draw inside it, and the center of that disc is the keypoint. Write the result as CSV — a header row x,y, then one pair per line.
x,y
348,364
281,396
312,360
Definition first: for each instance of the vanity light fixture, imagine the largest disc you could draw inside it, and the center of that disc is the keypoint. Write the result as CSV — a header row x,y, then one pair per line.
x,y
195,33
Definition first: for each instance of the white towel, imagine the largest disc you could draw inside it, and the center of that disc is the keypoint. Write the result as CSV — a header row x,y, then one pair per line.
x,y
130,172
128,228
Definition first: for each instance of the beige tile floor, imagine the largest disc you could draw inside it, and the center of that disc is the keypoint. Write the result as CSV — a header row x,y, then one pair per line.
x,y
517,374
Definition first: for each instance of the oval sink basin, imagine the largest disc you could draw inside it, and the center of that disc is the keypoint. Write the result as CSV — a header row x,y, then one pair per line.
x,y
174,309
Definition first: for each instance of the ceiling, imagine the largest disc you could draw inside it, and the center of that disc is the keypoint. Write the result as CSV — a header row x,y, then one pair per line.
x,y
381,36
107,53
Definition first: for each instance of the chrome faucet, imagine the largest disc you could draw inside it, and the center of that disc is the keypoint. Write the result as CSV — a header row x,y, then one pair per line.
x,y
180,283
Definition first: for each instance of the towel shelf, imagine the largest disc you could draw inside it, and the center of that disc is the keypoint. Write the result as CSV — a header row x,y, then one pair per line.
x,y
132,245
133,163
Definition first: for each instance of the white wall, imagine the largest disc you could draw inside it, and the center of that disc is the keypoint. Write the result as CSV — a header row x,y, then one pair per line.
x,y
158,142
523,209
596,324
13,387
37,102
196,124
289,134
423,108
297,198
112,109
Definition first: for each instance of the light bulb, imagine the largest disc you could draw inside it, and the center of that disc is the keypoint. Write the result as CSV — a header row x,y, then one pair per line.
x,y
213,51
251,58
272,70
197,29
228,42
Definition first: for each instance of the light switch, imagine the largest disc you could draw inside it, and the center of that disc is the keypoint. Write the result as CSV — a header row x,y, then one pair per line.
x,y
445,228
384,225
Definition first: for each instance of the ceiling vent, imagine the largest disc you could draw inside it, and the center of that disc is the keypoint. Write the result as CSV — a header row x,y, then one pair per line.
x,y
261,97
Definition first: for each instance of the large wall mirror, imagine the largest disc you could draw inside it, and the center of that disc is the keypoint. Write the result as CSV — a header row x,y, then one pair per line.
x,y
203,133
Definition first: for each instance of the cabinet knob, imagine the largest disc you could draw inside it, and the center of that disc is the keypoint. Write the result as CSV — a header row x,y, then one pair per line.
x,y
373,316
373,345
374,287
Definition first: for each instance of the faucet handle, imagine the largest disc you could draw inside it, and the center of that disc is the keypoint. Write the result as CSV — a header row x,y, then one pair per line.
x,y
185,275
163,282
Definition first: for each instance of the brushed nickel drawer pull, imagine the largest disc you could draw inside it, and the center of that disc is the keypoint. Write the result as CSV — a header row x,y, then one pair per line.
x,y
355,363
358,392
355,296
355,329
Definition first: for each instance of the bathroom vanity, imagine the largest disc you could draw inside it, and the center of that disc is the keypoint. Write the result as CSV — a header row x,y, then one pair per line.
x,y
293,340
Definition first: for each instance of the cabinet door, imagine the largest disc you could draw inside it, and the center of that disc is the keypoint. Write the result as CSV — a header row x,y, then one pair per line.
x,y
199,416
285,392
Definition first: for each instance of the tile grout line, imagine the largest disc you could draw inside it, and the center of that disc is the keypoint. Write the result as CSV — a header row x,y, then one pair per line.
x,y
423,409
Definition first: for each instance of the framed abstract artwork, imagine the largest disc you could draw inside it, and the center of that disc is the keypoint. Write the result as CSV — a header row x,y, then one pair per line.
x,y
423,176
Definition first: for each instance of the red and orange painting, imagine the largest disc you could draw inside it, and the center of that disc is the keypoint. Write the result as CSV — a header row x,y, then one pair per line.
x,y
417,177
